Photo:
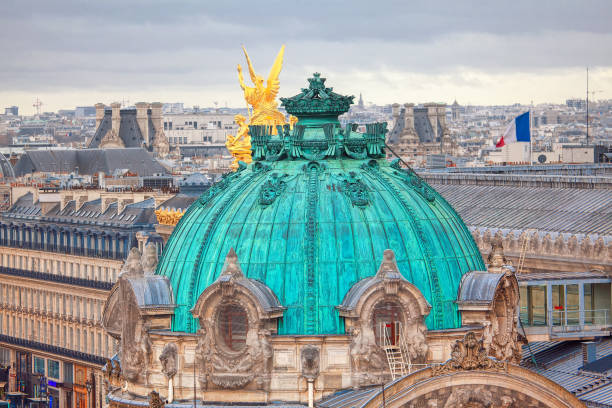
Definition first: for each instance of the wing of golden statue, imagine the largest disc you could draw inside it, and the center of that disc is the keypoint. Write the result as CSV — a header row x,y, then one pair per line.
x,y
250,64
273,83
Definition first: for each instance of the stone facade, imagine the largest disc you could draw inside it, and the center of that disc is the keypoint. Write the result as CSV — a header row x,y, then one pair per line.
x,y
418,131
470,379
565,252
130,127
266,367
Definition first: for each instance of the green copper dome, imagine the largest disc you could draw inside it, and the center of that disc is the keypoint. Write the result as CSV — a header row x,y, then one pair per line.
x,y
312,215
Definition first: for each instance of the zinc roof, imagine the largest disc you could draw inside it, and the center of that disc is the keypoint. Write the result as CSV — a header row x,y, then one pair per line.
x,y
547,209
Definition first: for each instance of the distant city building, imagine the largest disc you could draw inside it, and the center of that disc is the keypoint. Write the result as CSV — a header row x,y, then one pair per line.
x,y
558,213
198,128
12,110
579,104
84,111
420,130
176,108
457,111
130,127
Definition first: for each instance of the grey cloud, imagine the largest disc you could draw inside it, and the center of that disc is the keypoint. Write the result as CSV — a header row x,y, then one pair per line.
x,y
138,44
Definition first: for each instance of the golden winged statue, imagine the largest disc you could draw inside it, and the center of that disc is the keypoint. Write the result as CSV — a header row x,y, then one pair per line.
x,y
263,108
261,105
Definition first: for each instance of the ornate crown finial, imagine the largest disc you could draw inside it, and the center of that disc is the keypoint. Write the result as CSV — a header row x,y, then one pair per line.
x,y
317,100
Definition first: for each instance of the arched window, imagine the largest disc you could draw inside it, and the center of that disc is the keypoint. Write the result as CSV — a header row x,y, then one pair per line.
x,y
232,323
386,321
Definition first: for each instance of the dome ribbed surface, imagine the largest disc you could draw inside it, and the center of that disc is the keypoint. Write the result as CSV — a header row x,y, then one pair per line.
x,y
311,230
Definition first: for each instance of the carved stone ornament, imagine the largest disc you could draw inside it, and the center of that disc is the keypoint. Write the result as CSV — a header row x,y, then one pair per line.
x,y
111,139
221,366
168,359
501,337
112,374
310,362
272,188
369,362
469,354
355,190
149,259
155,401
122,317
133,265
496,258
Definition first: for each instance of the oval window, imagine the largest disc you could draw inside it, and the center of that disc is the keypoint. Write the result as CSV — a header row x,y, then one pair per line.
x,y
233,325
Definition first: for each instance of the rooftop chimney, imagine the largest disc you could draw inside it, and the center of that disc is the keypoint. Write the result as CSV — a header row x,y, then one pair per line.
x,y
99,113
142,118
589,352
116,116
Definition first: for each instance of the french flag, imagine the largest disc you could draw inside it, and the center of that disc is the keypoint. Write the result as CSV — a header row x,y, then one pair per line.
x,y
517,131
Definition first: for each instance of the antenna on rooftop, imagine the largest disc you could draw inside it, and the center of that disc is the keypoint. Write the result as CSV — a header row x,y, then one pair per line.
x,y
37,104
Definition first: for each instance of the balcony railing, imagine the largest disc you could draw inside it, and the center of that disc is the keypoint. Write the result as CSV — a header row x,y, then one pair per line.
x,y
90,358
555,323
569,321
69,280
64,249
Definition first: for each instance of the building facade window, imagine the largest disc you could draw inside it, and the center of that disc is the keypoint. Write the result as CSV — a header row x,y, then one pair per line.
x,y
53,369
38,365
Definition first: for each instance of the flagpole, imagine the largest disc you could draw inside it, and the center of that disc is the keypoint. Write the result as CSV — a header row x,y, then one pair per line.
x,y
530,136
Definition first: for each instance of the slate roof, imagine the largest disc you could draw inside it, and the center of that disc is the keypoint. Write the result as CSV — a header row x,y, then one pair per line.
x,y
179,202
547,209
88,214
423,127
88,161
6,169
602,365
129,131
348,398
562,363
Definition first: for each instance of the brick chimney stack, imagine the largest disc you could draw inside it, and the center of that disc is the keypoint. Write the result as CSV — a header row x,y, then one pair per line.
x,y
142,117
99,113
116,116
156,115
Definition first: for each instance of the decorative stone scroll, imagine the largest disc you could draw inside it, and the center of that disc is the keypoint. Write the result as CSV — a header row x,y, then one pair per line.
x,y
469,354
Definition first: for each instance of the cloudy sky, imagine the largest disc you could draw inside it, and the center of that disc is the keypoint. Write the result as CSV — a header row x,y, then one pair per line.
x,y
80,52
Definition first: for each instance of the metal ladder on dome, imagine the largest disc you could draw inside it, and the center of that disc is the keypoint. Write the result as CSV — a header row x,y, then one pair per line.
x,y
393,343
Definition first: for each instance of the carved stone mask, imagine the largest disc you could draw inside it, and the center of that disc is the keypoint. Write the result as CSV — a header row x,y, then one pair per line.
x,y
168,359
310,362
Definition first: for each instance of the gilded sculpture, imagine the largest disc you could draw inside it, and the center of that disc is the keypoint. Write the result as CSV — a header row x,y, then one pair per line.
x,y
261,105
240,146
263,108
168,217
